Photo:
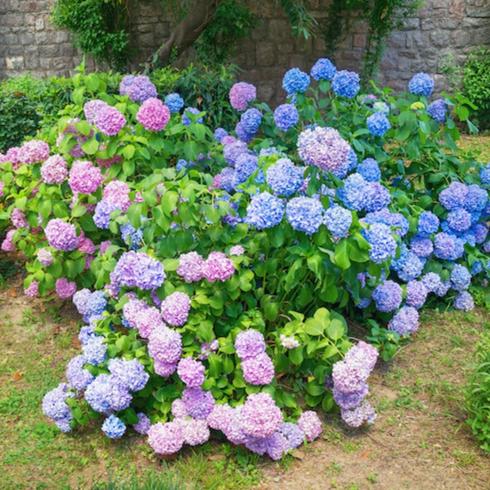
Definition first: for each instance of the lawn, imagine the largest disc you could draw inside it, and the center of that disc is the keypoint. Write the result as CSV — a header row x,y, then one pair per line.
x,y
420,439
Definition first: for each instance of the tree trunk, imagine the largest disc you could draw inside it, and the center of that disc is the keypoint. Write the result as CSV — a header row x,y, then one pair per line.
x,y
185,33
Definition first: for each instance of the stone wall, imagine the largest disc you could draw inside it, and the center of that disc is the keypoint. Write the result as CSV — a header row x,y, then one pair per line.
x,y
29,42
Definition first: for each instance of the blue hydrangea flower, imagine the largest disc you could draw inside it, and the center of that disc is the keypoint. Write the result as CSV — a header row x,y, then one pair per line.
x,y
405,322
437,110
186,120
454,196
113,427
375,197
346,84
352,160
369,169
94,351
460,277
380,106
464,301
323,69
78,377
89,304
421,246
387,296
383,245
421,84
396,221
485,175
410,267
338,220
284,178
130,374
245,166
264,211
459,220
448,247
476,199
286,116
102,214
416,294
476,268
295,81
250,120
219,134
242,134
352,194
305,214
131,236
105,394
428,223
174,102
378,124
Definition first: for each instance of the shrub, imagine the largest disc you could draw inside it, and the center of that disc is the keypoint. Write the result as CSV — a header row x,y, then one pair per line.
x,y
478,394
214,272
476,83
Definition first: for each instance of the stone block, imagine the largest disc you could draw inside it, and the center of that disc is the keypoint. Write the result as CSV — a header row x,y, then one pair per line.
x,y
14,62
39,23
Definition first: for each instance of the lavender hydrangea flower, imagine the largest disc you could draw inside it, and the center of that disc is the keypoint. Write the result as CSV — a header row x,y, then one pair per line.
x,y
233,150
464,301
405,322
323,69
54,406
217,267
416,294
258,370
136,269
190,267
195,432
420,246
324,148
295,81
54,170
387,296
129,374
166,439
198,403
89,304
249,344
219,134
310,424
459,220
378,124
61,235
260,416
94,351
460,277
293,434
305,214
175,309
105,394
241,95
165,345
346,84
113,427
448,247
143,425
191,372
138,88
360,415
437,110
421,84
286,116
264,211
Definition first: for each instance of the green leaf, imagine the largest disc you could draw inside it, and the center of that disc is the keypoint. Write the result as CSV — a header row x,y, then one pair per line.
x,y
336,330
296,356
128,151
91,146
78,210
169,202
341,256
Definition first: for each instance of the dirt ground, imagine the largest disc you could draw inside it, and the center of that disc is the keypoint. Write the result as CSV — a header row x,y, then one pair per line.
x,y
419,441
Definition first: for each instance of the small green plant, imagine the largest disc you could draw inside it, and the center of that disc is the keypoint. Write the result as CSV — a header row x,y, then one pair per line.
x,y
478,394
476,82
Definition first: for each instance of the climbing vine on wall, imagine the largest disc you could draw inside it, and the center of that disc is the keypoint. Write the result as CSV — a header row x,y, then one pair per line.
x,y
382,17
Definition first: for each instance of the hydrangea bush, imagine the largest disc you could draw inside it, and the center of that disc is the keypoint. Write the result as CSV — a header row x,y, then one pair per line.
x,y
215,269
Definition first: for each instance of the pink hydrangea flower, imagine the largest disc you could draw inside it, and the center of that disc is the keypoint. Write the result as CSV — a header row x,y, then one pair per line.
x,y
153,114
175,309
45,257
53,170
166,438
85,177
33,290
34,151
241,94
18,218
92,108
218,267
310,424
64,288
117,194
191,267
8,244
109,121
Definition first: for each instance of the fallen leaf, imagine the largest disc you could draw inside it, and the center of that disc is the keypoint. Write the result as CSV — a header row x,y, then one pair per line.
x,y
17,376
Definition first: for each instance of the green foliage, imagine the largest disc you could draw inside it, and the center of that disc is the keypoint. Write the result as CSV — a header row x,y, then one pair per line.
x,y
476,83
100,27
232,22
301,20
382,17
478,394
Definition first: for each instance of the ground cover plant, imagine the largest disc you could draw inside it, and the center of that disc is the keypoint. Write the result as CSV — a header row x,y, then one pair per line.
x,y
215,270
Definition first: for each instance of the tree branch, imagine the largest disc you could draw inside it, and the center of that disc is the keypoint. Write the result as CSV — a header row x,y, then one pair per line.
x,y
185,33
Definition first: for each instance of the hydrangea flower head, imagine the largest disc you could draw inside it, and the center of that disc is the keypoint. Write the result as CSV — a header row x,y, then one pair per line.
x,y
460,277
85,178
363,414
459,220
383,245
113,427
61,235
323,69
346,83
77,376
64,288
143,424
448,247
387,296
186,120
378,124
324,148
437,110
191,372
464,301
241,95
295,81
310,424
264,211
286,116
421,84
175,308
305,214
250,120
130,374
454,196
33,151
138,88
174,102
338,220
416,294
369,169
166,439
137,269
165,345
260,416
190,267
153,114
249,344
198,403
217,267
428,223
32,291
258,370
109,121
284,178
54,170
405,322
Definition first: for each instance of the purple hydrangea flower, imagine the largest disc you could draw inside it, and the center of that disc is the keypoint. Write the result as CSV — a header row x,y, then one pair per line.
x,y
260,416
428,223
249,344
153,114
294,435
310,424
191,372
360,415
94,351
61,235
387,296
165,345
464,301
258,370
250,120
217,267
241,94
448,247
166,439
420,246
143,424
129,374
245,166
138,88
198,403
383,245
437,110
136,269
190,267
54,406
405,322
195,432
416,294
175,309
54,170
105,394
286,116
459,220
454,196
109,121
460,277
